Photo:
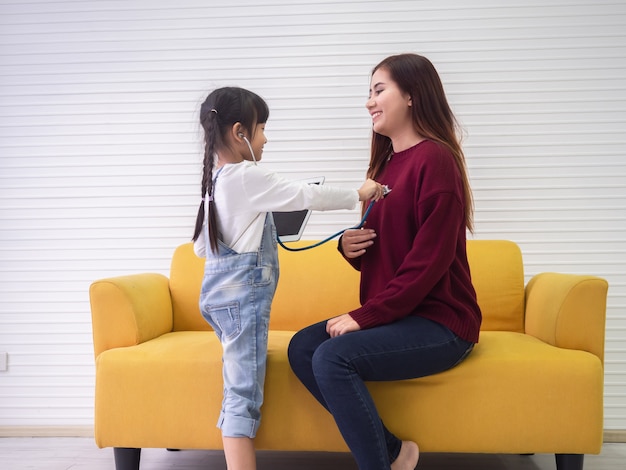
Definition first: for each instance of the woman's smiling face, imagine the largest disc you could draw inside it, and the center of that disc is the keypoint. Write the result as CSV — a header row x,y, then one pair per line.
x,y
389,106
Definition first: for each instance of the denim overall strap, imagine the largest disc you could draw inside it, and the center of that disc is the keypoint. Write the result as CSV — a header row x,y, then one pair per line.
x,y
236,297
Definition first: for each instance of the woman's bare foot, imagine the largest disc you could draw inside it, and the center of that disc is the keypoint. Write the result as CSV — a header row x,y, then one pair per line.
x,y
408,457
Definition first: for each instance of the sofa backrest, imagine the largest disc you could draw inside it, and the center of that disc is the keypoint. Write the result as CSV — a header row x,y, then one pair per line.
x,y
185,282
318,284
498,277
331,287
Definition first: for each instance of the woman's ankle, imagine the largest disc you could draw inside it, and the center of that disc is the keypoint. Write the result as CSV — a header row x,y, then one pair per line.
x,y
408,457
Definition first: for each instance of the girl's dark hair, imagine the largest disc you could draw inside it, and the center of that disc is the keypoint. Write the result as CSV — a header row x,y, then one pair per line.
x,y
432,117
222,109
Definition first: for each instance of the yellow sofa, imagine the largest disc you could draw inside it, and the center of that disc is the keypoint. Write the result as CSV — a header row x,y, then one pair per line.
x,y
533,384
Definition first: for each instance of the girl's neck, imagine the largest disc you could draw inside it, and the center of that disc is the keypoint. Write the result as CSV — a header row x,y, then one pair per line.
x,y
224,157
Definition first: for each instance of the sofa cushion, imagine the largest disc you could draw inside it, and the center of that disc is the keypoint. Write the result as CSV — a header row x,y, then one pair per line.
x,y
533,397
167,393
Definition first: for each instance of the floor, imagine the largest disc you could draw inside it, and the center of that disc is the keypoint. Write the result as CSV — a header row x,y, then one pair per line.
x,y
82,454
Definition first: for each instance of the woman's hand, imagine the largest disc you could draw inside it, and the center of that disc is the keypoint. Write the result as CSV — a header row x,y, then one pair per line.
x,y
341,325
371,190
354,242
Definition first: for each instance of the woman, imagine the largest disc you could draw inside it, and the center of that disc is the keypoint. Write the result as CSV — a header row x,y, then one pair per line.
x,y
418,314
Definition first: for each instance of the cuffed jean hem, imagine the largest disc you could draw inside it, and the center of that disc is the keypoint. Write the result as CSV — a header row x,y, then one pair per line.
x,y
238,426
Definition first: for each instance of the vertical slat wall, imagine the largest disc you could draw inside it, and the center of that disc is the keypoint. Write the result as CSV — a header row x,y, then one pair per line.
x,y
100,149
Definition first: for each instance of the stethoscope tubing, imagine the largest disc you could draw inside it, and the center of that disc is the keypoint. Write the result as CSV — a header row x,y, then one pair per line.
x,y
335,235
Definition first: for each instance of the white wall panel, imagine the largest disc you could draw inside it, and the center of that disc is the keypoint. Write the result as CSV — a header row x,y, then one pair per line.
x,y
100,146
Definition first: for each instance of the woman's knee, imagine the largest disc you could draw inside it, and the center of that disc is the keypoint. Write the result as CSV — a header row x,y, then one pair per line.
x,y
306,340
294,349
300,350
328,362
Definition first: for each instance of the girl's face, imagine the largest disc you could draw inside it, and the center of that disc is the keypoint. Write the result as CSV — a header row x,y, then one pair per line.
x,y
257,142
389,106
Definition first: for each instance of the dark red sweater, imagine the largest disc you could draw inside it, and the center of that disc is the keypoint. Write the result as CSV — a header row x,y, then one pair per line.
x,y
418,262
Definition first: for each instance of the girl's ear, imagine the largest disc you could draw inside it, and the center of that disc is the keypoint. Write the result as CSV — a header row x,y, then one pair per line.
x,y
237,132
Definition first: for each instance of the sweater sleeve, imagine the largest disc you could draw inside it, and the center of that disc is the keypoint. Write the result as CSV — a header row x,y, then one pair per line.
x,y
428,260
354,262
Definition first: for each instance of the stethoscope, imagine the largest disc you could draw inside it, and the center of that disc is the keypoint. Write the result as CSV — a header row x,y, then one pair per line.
x,y
386,191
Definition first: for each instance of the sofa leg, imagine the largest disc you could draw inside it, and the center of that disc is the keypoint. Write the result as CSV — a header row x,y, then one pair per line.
x,y
126,458
569,461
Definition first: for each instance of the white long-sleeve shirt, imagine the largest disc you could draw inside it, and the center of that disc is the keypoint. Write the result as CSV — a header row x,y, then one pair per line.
x,y
244,193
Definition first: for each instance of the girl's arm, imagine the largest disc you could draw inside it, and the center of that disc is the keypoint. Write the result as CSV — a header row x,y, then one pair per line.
x,y
268,192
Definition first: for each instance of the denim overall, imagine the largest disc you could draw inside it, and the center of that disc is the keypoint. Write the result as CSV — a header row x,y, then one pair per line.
x,y
236,296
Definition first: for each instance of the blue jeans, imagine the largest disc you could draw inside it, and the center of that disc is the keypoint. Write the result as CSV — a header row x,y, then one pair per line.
x,y
236,296
335,370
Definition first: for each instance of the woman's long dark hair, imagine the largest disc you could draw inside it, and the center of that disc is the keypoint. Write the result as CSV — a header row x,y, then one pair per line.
x,y
222,109
432,117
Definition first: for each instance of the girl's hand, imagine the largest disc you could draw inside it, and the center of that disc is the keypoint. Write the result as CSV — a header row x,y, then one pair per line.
x,y
371,190
354,242
341,325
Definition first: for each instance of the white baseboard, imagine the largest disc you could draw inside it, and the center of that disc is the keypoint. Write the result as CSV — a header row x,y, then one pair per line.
x,y
46,431
615,435
612,436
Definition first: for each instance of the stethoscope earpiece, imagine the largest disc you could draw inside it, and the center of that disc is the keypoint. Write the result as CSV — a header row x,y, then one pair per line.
x,y
249,146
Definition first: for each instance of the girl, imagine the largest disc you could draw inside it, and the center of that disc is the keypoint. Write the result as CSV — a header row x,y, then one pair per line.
x,y
419,314
236,234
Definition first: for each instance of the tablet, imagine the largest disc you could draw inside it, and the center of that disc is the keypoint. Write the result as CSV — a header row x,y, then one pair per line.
x,y
290,225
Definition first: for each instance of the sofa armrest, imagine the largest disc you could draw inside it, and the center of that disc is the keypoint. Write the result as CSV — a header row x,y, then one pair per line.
x,y
567,311
129,310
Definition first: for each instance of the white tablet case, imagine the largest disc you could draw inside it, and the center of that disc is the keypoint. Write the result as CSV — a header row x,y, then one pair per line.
x,y
290,225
